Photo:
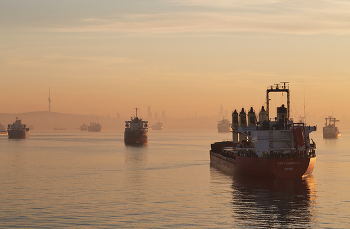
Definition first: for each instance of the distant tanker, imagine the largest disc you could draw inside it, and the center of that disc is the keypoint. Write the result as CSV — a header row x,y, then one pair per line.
x,y
94,127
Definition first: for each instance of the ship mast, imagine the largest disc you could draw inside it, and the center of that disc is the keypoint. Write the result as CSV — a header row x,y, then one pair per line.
x,y
277,88
331,120
304,110
49,101
136,111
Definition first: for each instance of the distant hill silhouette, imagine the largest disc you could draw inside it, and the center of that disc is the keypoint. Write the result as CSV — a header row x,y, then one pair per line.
x,y
45,120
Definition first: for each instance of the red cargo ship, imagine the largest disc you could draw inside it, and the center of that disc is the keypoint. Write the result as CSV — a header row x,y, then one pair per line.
x,y
278,148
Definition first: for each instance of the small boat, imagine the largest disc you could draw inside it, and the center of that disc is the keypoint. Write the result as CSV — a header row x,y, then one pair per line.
x,y
157,126
136,131
59,128
275,148
330,130
17,130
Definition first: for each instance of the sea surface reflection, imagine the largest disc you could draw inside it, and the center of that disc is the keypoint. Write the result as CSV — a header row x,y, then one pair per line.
x,y
85,180
261,202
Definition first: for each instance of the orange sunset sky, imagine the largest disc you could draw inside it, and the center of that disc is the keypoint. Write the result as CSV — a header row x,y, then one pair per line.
x,y
184,57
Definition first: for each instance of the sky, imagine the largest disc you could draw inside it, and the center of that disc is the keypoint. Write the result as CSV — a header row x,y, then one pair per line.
x,y
184,57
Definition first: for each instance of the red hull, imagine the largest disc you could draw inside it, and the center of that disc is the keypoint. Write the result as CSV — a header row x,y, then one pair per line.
x,y
265,167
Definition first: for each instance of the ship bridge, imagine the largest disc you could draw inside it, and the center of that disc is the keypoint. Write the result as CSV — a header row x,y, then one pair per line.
x,y
282,87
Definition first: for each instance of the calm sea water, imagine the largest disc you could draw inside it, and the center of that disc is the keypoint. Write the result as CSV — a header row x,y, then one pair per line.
x,y
81,179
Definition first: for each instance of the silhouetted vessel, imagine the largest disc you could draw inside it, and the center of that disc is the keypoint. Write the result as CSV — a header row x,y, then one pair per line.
x,y
330,130
3,130
59,128
136,131
94,127
17,130
279,148
84,127
157,126
224,126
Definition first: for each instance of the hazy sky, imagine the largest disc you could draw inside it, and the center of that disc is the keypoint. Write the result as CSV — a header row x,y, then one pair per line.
x,y
181,56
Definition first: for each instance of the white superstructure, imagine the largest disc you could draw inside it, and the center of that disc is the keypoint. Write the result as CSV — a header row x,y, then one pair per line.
x,y
278,137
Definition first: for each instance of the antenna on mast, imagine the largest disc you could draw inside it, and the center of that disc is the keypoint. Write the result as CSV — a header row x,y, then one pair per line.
x,y
304,118
304,110
49,101
136,111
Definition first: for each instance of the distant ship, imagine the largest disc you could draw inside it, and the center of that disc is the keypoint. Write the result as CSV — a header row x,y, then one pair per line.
x,y
17,130
59,128
136,131
3,130
94,127
330,130
275,148
224,126
84,127
157,126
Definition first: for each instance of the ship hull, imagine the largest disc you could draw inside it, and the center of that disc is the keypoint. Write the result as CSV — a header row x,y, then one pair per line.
x,y
93,129
331,132
224,130
157,128
331,135
264,167
135,137
17,134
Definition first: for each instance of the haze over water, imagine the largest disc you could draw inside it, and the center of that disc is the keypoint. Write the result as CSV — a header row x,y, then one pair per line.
x,y
186,58
84,179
